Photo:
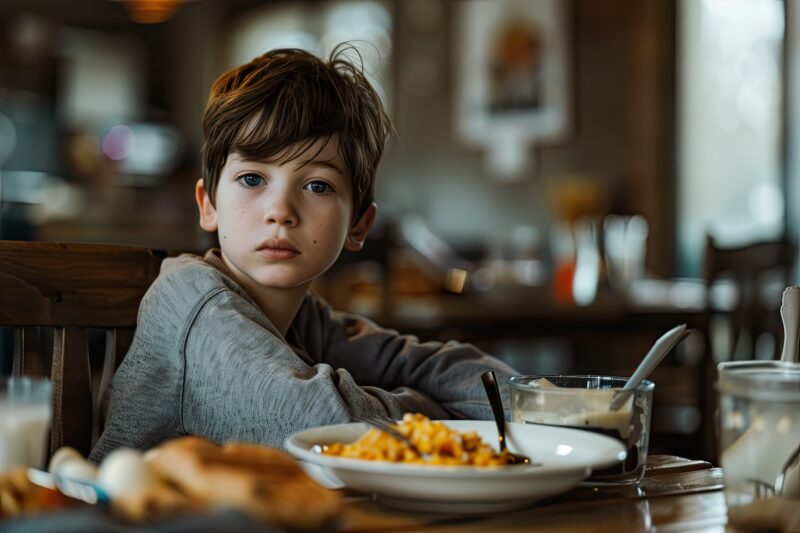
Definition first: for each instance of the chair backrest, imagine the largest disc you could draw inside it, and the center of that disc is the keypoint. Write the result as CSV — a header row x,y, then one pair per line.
x,y
57,297
759,271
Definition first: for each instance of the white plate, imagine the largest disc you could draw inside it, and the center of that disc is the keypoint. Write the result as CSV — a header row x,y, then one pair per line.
x,y
567,456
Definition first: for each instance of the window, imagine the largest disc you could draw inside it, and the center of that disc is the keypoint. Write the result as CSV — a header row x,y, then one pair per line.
x,y
729,124
318,27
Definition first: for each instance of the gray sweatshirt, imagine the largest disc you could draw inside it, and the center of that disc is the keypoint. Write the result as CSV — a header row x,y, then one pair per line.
x,y
205,360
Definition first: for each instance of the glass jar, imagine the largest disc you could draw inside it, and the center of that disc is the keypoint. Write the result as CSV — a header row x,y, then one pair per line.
x,y
758,423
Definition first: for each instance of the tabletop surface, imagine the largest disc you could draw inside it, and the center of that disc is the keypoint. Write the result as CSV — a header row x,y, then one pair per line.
x,y
676,495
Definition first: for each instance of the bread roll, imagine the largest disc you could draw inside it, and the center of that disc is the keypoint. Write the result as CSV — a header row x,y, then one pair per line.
x,y
152,503
19,496
264,482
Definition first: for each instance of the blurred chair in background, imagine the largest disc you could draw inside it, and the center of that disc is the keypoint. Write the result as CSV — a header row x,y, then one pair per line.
x,y
55,296
745,287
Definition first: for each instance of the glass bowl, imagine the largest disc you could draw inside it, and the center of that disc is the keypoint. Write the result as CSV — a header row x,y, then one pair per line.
x,y
582,402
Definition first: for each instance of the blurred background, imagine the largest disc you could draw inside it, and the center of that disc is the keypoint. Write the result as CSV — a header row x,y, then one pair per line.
x,y
570,178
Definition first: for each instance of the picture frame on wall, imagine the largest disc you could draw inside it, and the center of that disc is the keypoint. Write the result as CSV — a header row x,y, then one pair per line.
x,y
512,80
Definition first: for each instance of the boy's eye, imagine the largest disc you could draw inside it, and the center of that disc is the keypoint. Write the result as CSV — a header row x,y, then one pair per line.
x,y
250,180
319,187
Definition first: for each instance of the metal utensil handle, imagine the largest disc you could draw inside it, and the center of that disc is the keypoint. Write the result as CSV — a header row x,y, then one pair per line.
x,y
660,349
389,430
779,481
790,315
493,392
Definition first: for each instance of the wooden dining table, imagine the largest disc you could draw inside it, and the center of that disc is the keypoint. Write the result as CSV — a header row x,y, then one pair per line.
x,y
675,494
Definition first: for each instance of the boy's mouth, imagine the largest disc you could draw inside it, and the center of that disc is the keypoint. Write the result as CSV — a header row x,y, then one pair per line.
x,y
278,249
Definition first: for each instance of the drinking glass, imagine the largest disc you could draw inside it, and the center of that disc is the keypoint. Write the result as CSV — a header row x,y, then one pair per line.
x,y
25,411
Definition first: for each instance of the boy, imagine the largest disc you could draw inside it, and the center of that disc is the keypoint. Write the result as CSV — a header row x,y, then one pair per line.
x,y
232,346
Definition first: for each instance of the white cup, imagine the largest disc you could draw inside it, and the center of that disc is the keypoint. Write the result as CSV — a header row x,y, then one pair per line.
x,y
24,421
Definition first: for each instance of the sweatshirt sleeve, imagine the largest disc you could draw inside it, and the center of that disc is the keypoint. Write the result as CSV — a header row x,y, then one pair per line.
x,y
244,383
447,372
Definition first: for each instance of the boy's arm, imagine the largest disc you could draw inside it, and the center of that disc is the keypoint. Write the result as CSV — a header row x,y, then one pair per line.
x,y
447,372
244,383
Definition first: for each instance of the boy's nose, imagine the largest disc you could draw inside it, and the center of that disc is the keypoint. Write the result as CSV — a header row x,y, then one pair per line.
x,y
281,212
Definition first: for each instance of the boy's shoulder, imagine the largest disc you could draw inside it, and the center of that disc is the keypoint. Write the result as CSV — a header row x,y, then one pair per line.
x,y
190,271
189,278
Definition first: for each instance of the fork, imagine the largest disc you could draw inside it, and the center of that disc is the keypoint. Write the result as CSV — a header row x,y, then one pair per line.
x,y
386,425
761,489
782,476
765,490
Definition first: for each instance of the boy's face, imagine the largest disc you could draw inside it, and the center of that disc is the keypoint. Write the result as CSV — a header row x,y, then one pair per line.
x,y
282,225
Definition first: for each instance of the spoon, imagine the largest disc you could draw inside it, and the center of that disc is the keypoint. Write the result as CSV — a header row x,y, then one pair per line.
x,y
493,392
790,315
660,349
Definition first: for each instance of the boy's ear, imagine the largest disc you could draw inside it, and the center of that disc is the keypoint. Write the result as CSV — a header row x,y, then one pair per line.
x,y
359,230
208,214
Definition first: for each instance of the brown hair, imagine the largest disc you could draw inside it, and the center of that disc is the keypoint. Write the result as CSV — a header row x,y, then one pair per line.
x,y
291,98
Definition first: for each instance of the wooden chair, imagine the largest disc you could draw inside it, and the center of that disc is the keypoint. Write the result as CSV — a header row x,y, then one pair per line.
x,y
55,295
759,272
